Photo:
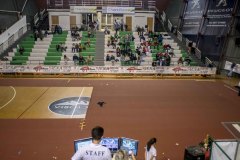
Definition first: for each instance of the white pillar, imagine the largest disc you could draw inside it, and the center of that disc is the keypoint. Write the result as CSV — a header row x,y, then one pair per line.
x,y
99,17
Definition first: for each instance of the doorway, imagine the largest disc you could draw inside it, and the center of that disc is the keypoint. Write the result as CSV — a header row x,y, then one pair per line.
x,y
107,20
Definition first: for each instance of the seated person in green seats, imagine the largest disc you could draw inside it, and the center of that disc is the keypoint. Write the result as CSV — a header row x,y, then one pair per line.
x,y
187,60
75,59
21,50
81,60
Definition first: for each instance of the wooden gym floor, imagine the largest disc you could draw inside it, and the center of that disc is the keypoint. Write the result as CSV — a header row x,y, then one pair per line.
x,y
179,113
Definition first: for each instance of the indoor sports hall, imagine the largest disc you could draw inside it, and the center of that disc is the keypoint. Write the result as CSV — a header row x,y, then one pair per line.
x,y
139,69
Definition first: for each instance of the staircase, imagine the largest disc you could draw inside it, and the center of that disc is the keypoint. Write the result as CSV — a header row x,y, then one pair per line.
x,y
99,58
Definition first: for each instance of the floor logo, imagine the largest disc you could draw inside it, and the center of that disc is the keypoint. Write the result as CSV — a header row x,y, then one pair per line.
x,y
70,106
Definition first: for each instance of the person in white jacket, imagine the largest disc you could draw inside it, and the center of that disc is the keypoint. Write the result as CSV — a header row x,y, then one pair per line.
x,y
151,152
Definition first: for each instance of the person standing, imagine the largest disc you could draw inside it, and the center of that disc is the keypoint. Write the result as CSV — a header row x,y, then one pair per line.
x,y
94,151
151,152
231,69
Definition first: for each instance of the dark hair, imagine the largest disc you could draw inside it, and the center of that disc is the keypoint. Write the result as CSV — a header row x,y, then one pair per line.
x,y
97,133
150,143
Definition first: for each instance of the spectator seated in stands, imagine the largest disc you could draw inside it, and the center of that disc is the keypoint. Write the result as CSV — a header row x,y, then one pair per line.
x,y
21,50
73,47
171,52
58,46
81,60
180,61
63,47
133,58
108,57
187,60
89,59
5,58
112,59
118,52
75,59
160,39
127,59
41,34
88,42
76,36
106,30
66,59
166,46
57,29
142,38
168,60
90,34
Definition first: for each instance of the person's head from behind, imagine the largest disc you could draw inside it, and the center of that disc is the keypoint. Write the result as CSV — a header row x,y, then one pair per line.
x,y
119,155
97,133
151,142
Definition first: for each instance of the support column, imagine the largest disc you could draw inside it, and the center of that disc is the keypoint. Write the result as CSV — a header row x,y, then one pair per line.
x,y
99,17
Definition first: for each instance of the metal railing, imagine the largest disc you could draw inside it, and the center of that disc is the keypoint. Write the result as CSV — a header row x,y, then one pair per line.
x,y
138,4
179,35
12,39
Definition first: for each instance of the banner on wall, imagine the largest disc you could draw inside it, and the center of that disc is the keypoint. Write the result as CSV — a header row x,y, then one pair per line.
x,y
118,10
83,9
108,69
218,17
192,16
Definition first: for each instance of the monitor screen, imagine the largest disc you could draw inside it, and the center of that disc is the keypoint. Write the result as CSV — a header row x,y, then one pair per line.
x,y
81,143
111,143
129,145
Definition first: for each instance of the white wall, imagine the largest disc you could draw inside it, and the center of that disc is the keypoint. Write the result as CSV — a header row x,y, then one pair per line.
x,y
140,19
64,19
64,22
137,19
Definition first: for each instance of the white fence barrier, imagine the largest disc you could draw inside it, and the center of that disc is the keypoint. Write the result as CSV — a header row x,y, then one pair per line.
x,y
8,37
236,69
179,35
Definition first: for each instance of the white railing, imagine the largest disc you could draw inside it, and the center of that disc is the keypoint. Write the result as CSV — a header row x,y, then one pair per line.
x,y
1,48
169,25
187,42
179,35
163,16
8,37
198,53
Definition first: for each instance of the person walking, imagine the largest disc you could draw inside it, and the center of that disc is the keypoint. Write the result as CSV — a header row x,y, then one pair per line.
x,y
151,152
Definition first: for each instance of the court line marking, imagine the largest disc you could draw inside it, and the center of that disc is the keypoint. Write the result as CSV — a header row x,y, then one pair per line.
x,y
14,95
77,102
237,127
230,88
22,114
205,80
229,130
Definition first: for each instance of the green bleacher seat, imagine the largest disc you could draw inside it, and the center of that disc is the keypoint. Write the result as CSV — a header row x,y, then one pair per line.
x,y
24,54
54,54
51,62
18,62
20,58
52,58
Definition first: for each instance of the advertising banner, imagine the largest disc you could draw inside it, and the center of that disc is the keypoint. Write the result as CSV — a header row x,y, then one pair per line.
x,y
119,10
83,9
108,69
218,17
192,16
